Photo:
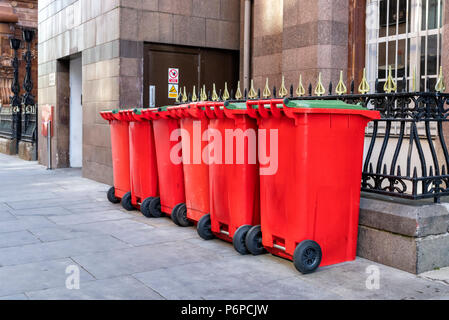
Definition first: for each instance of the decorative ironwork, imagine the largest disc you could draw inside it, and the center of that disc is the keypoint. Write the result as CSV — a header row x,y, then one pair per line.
x,y
15,88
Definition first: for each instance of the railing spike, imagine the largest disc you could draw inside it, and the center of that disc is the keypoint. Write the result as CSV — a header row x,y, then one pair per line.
x,y
291,91
246,94
364,85
390,86
283,90
399,171
371,170
238,93
258,93
226,95
252,94
443,170
415,173
194,96
404,84
341,88
376,90
319,89
300,91
310,89
440,86
385,169
274,92
266,90
352,86
330,88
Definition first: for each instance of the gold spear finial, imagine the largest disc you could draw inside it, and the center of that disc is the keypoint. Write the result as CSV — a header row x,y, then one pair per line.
x,y
440,86
319,90
226,95
238,93
214,93
390,85
364,86
266,90
252,94
203,93
300,91
283,92
341,88
184,96
194,96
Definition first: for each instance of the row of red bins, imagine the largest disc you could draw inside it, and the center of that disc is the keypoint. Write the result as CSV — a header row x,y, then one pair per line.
x,y
277,176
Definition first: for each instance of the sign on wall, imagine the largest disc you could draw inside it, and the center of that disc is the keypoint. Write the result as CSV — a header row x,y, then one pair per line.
x,y
173,75
173,91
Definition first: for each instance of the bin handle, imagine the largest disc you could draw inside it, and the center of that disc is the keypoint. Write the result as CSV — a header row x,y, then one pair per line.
x,y
251,111
207,109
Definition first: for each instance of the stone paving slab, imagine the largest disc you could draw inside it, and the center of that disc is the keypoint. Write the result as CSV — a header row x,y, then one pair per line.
x,y
121,288
19,238
58,249
88,217
24,223
36,276
6,216
50,220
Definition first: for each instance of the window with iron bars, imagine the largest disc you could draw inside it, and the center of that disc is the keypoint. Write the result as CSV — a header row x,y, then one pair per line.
x,y
406,35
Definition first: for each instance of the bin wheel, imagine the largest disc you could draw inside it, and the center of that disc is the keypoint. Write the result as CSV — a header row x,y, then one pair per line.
x,y
253,241
204,228
174,214
181,216
239,239
145,207
111,196
307,256
155,207
126,202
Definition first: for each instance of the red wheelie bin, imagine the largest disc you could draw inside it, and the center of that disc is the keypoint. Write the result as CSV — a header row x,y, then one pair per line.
x,y
170,174
119,125
143,176
194,126
310,204
233,175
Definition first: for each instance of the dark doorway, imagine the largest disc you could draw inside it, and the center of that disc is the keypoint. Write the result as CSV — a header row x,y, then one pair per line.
x,y
197,67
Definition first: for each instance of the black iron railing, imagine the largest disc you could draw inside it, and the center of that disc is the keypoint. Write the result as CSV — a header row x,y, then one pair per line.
x,y
406,154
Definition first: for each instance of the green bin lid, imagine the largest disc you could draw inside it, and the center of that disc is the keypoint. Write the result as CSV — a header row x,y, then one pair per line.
x,y
323,104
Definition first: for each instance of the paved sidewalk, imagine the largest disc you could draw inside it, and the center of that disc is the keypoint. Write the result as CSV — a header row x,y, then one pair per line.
x,y
50,220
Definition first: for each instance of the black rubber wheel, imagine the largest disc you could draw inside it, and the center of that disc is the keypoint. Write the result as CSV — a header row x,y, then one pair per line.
x,y
253,241
307,256
239,239
174,214
145,207
181,216
155,207
111,196
126,202
204,228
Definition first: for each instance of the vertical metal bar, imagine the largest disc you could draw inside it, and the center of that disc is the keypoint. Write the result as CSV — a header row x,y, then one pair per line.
x,y
49,133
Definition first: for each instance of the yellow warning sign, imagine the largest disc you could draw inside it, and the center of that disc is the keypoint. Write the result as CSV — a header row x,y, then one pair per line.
x,y
173,91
